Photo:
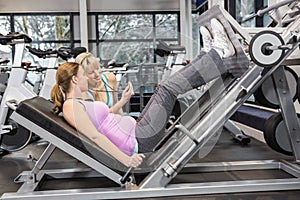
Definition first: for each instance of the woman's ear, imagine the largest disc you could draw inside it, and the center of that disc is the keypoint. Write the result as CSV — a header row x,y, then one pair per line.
x,y
74,79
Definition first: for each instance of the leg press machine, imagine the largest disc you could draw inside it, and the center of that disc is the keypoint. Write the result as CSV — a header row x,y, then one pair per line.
x,y
188,135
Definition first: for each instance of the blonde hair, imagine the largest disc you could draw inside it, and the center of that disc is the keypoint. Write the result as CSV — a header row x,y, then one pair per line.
x,y
87,60
64,74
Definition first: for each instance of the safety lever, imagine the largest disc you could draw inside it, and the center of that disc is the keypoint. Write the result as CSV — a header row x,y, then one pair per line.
x,y
187,132
126,176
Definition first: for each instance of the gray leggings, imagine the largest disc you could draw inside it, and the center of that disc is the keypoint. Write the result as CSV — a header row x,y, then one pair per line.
x,y
150,127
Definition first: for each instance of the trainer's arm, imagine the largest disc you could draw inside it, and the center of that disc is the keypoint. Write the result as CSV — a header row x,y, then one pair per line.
x,y
112,81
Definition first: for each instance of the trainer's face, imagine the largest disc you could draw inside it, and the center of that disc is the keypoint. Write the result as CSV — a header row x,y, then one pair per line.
x,y
94,75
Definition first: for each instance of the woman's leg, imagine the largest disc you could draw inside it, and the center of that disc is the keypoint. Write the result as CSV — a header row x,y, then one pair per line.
x,y
154,117
206,67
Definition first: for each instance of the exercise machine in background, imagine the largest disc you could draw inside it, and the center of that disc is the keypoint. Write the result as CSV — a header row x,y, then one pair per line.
x,y
15,89
13,136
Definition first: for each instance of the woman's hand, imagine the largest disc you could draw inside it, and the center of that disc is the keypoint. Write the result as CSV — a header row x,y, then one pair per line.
x,y
128,92
135,160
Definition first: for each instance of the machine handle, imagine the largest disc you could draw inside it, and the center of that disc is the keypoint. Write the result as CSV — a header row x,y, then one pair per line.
x,y
126,176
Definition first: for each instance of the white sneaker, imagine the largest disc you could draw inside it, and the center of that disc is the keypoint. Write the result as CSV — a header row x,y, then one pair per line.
x,y
207,39
221,39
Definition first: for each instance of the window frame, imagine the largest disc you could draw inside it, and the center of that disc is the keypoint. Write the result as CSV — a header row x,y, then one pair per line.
x,y
76,42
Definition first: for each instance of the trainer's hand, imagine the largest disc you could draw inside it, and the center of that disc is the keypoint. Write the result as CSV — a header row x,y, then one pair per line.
x,y
128,92
135,160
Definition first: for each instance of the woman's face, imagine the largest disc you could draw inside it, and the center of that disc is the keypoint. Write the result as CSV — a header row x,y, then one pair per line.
x,y
82,79
94,75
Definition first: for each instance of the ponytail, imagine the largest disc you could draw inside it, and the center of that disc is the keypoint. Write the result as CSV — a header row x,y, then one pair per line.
x,y
57,98
64,74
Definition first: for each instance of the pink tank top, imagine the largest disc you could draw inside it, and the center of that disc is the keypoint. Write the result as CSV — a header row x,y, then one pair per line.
x,y
120,130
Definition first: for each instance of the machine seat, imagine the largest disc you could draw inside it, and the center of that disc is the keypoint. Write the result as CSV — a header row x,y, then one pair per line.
x,y
39,111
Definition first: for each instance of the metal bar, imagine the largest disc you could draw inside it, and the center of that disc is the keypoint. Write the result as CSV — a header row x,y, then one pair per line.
x,y
231,166
43,159
272,7
28,186
291,168
186,189
172,190
83,24
71,173
186,132
32,179
18,54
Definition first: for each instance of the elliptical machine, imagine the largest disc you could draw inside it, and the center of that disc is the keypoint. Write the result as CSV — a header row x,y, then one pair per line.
x,y
44,86
14,92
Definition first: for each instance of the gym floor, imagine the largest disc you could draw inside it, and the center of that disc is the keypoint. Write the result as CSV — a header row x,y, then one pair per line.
x,y
225,150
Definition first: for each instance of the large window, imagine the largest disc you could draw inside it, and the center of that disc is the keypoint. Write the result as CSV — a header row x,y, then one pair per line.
x,y
46,31
5,51
244,12
131,38
5,24
125,37
166,26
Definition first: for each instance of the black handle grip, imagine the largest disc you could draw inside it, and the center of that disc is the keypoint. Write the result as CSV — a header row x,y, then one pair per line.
x,y
126,176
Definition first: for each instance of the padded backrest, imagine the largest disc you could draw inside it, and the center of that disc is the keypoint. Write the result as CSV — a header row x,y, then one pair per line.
x,y
39,111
